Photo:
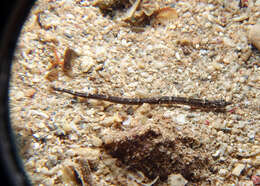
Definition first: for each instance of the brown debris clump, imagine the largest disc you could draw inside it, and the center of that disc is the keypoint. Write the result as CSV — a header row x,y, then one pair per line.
x,y
110,4
157,152
65,64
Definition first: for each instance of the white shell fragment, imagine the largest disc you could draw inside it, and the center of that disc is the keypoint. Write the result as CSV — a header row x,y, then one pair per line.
x,y
238,169
176,180
254,35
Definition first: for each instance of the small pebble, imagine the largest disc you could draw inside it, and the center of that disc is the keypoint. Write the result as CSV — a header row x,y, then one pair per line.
x,y
216,154
127,121
96,141
247,183
256,179
19,95
73,137
256,161
254,35
176,180
30,92
238,169
223,172
180,119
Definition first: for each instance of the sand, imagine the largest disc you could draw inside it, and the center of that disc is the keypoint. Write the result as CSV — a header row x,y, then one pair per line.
x,y
203,53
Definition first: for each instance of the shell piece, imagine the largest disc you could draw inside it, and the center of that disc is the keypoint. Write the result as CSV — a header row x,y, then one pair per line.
x,y
165,15
238,169
254,35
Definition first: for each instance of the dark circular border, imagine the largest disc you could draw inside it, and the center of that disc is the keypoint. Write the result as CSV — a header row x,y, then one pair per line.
x,y
13,14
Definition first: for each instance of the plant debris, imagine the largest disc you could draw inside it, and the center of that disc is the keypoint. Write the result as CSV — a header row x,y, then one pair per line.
x,y
68,56
140,12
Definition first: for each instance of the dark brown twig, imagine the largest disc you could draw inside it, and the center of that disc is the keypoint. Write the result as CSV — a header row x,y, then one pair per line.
x,y
200,103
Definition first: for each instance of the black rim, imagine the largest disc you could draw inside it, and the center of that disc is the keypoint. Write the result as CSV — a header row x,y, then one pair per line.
x,y
14,13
